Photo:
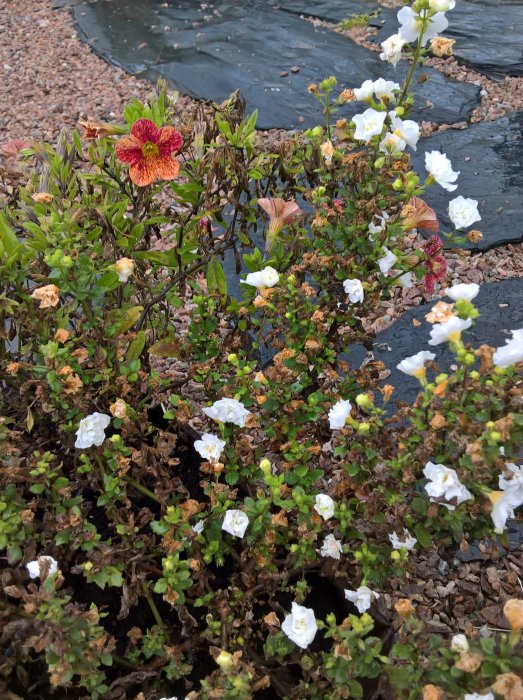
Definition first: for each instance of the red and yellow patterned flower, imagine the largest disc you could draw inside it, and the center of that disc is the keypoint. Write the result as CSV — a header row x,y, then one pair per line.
x,y
148,151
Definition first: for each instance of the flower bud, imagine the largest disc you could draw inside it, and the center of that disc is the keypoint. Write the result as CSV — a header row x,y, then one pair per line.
x,y
266,467
513,611
364,401
224,660
233,359
363,428
379,163
397,185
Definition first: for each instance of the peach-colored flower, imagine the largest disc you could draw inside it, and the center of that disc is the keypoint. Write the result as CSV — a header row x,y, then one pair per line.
x,y
148,151
509,686
469,662
418,214
474,236
441,46
13,367
80,355
42,197
124,268
62,335
118,409
440,313
65,370
327,151
281,213
72,384
513,611
404,607
48,296
432,692
346,95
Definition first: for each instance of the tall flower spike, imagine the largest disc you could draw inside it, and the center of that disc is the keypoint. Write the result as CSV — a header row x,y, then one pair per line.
x,y
281,213
148,151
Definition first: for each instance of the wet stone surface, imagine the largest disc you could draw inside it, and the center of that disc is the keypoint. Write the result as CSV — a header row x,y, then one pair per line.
x,y
489,157
500,305
209,50
489,35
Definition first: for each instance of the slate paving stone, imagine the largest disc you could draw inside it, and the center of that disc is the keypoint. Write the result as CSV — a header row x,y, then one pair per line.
x,y
489,157
488,34
208,50
500,305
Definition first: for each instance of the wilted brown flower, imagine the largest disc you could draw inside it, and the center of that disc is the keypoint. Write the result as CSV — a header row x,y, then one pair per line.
x,y
418,214
509,686
72,384
13,367
48,296
42,197
513,611
80,355
61,335
432,692
441,46
65,370
281,213
346,95
341,124
313,88
469,662
94,129
118,409
327,151
474,236
404,607
440,313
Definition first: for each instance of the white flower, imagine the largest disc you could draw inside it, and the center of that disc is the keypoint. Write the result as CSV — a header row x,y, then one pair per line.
x,y
442,5
368,124
407,543
385,88
267,277
198,527
124,268
378,228
460,643
209,447
411,25
440,167
339,414
331,547
406,280
463,212
228,411
324,506
414,365
478,696
463,291
354,289
444,483
91,430
392,48
300,625
392,143
510,497
235,522
364,92
407,129
511,352
388,261
35,567
362,598
450,330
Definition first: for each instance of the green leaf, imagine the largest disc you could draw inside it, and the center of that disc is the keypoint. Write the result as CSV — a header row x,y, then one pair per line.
x,y
216,279
423,536
136,347
168,347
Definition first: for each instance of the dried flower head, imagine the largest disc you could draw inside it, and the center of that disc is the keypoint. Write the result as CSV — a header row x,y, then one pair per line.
x,y
418,214
62,335
509,686
94,129
441,46
440,313
469,662
281,213
404,607
474,236
513,611
118,409
432,692
42,197
48,296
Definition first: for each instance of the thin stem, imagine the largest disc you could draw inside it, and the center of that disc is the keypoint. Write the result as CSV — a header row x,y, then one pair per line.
x,y
154,609
142,489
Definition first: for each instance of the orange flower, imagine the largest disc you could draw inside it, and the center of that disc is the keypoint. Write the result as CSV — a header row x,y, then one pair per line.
x,y
280,213
148,151
418,214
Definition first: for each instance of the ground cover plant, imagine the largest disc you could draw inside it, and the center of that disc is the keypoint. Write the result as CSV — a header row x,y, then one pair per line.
x,y
199,497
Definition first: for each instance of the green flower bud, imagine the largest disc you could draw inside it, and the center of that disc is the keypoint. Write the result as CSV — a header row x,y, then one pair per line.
x,y
363,428
379,163
397,185
364,401
224,660
266,467
474,375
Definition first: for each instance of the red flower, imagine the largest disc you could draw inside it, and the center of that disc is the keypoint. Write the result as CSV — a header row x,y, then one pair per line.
x,y
434,262
148,151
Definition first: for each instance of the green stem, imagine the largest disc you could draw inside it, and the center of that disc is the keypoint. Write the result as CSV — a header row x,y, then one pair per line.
x,y
154,609
142,489
415,60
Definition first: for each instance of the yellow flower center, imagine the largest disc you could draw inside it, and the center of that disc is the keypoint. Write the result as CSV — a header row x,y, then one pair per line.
x,y
150,150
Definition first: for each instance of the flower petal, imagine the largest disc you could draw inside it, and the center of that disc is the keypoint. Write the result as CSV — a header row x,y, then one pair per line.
x,y
145,130
169,140
143,172
166,167
129,150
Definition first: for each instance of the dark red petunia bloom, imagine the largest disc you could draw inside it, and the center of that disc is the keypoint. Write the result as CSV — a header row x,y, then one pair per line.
x,y
148,151
434,262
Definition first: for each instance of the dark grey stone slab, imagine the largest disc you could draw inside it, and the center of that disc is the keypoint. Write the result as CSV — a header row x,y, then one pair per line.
x,y
501,308
488,34
489,156
208,50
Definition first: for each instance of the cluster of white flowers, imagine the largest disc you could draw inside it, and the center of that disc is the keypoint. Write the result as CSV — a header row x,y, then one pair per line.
x,y
268,277
235,522
381,88
209,447
444,483
338,414
408,542
361,597
508,498
228,411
